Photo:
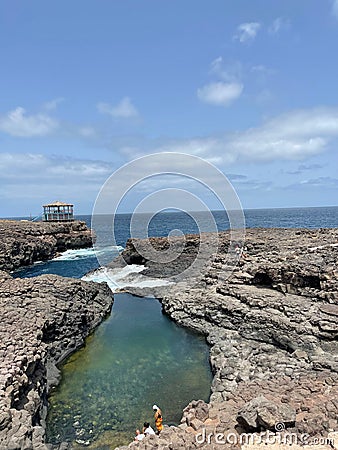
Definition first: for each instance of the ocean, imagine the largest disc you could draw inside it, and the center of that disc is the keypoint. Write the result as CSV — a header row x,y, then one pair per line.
x,y
78,263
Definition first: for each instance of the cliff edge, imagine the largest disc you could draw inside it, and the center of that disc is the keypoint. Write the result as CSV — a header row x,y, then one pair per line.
x,y
22,242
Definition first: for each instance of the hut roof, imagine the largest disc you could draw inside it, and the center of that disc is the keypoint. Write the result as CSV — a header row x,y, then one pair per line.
x,y
58,203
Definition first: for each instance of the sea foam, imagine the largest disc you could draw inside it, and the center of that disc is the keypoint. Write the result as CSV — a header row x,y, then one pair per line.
x,y
127,276
70,255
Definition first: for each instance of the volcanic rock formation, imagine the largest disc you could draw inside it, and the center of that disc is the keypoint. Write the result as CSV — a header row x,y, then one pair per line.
x,y
271,321
22,242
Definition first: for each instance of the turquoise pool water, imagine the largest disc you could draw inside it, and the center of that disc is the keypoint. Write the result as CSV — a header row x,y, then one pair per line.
x,y
136,358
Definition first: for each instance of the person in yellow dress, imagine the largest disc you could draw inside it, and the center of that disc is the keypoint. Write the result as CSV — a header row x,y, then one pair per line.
x,y
158,419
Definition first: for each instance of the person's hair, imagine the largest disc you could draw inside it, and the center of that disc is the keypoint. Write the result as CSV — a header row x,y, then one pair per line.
x,y
146,424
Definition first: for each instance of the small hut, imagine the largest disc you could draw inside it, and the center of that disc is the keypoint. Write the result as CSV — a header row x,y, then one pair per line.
x,y
58,212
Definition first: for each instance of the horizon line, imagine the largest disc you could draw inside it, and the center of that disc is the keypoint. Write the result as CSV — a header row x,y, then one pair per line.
x,y
176,211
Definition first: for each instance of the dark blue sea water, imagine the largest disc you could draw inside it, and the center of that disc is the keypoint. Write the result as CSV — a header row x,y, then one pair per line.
x,y
76,265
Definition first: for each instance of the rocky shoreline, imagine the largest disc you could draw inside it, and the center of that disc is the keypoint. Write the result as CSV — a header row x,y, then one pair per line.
x,y
272,328
23,242
42,321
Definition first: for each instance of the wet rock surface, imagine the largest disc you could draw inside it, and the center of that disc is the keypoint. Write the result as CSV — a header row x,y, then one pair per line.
x,y
42,320
272,328
23,242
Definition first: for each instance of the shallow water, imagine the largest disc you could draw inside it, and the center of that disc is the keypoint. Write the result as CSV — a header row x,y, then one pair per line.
x,y
136,358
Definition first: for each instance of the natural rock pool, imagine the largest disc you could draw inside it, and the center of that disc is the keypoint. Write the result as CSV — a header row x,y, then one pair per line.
x,y
136,358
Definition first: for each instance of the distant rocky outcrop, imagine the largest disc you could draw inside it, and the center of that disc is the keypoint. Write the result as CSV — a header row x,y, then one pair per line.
x,y
42,320
23,242
272,328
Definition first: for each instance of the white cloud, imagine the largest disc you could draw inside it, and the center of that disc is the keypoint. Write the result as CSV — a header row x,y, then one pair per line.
x,y
247,31
53,104
327,182
124,109
296,135
18,123
311,122
220,93
228,87
320,182
26,166
293,136
279,24
335,8
30,180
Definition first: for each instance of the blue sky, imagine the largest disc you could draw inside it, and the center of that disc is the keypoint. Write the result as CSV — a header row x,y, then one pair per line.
x,y
87,86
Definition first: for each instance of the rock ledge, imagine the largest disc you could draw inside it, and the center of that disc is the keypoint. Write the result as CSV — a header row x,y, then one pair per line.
x,y
272,329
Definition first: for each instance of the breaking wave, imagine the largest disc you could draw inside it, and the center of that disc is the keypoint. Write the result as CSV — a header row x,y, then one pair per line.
x,y
129,276
70,255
